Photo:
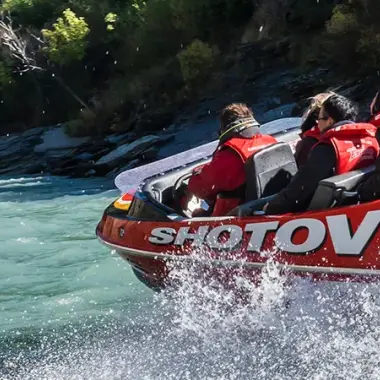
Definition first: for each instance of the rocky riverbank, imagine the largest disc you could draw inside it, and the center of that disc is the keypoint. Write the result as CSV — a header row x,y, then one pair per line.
x,y
274,93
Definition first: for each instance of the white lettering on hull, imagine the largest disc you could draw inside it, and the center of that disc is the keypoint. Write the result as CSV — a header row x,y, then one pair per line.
x,y
162,235
197,237
234,239
259,231
347,243
316,235
337,227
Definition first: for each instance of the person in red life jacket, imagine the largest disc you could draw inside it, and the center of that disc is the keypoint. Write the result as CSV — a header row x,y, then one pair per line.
x,y
369,190
343,146
309,128
375,114
221,183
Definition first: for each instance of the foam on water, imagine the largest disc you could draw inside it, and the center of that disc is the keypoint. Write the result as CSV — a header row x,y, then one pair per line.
x,y
201,330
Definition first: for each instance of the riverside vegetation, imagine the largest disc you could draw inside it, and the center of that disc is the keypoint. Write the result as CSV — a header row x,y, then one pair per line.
x,y
108,66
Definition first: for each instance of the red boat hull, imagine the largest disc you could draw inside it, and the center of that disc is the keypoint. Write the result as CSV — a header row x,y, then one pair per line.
x,y
337,244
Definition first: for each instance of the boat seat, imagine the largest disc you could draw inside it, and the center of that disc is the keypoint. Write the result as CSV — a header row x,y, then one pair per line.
x,y
269,170
159,187
328,189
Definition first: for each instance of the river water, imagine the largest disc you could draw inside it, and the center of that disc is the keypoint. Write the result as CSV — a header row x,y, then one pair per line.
x,y
71,309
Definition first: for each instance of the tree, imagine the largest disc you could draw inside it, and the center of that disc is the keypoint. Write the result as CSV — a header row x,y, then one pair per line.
x,y
67,40
21,50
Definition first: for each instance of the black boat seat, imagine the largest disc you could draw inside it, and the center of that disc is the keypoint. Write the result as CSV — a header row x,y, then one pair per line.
x,y
159,186
328,189
269,170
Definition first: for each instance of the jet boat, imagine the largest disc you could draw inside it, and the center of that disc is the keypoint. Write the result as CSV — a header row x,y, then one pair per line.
x,y
333,240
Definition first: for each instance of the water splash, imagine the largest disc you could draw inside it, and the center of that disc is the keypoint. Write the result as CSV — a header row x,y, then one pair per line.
x,y
209,326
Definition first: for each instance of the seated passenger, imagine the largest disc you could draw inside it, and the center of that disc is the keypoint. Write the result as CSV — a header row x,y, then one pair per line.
x,y
343,146
309,128
375,114
369,190
222,182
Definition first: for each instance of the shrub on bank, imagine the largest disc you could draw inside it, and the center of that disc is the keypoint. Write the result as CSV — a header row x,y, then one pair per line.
x,y
196,62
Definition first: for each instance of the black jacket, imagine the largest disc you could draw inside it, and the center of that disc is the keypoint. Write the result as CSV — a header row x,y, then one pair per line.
x,y
303,149
298,194
370,189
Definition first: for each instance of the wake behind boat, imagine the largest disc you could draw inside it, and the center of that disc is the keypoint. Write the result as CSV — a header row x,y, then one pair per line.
x,y
329,241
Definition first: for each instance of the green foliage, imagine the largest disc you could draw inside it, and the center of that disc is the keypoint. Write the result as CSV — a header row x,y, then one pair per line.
x,y
75,128
67,40
308,15
341,36
158,52
369,47
196,63
16,5
110,20
343,21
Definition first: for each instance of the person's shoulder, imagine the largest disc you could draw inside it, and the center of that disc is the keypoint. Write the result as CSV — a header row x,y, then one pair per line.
x,y
227,153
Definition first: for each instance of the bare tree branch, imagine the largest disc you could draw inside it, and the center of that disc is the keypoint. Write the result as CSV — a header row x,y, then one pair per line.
x,y
17,46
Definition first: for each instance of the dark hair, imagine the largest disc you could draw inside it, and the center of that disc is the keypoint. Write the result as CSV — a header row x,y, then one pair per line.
x,y
340,108
310,116
234,112
310,121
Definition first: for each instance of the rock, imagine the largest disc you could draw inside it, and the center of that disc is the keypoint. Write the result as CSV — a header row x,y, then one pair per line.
x,y
155,121
56,139
90,173
34,168
150,154
117,138
353,90
307,85
13,168
278,113
58,153
33,132
102,169
129,151
16,145
133,164
84,156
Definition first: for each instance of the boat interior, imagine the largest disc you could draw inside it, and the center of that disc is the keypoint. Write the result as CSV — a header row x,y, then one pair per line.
x,y
268,171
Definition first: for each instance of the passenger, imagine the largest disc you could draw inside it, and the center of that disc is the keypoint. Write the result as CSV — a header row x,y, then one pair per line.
x,y
375,114
309,128
343,146
369,190
222,182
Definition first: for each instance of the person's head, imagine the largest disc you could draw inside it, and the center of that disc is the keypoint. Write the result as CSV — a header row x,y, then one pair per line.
x,y
235,118
334,109
310,116
375,105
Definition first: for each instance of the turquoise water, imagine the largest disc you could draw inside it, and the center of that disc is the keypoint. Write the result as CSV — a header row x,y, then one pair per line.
x,y
71,309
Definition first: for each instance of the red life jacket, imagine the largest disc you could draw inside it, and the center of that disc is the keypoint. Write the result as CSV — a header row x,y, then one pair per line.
x,y
355,146
375,120
313,132
245,148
